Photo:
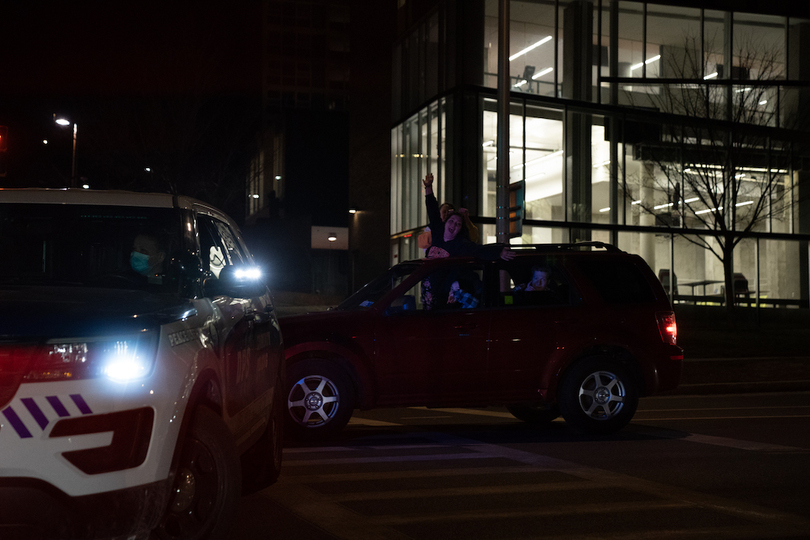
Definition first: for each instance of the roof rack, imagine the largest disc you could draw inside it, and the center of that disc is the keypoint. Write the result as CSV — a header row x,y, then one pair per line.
x,y
578,246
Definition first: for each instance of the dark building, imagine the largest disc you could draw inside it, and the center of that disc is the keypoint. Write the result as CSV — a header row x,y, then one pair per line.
x,y
297,188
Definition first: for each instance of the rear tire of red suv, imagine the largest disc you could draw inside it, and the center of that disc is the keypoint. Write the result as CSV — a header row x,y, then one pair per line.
x,y
598,395
320,399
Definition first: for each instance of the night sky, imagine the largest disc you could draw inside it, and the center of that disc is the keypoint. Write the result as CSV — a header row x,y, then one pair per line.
x,y
103,48
172,86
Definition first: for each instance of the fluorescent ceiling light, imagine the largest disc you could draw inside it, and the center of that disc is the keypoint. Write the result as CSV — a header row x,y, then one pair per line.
x,y
530,48
544,72
660,206
604,209
693,199
707,211
710,76
746,203
648,62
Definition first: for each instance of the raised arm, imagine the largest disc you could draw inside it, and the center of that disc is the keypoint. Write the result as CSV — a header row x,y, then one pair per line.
x,y
432,205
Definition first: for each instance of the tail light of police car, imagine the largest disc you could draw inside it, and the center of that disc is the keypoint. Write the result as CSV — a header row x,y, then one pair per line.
x,y
122,360
668,327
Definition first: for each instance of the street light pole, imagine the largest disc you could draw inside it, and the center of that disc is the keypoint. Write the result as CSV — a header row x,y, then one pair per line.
x,y
66,122
73,160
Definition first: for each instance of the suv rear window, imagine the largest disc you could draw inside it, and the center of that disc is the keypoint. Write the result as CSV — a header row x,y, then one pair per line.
x,y
618,281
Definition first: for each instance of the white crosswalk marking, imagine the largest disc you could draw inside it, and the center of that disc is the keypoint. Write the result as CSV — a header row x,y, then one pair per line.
x,y
438,485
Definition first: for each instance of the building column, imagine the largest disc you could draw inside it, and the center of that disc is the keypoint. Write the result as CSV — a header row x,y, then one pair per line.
x,y
646,243
578,85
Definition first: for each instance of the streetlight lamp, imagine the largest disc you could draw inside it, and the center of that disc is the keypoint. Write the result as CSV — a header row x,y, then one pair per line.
x,y
65,122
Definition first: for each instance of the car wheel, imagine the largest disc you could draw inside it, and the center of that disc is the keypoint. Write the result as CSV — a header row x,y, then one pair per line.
x,y
207,484
598,395
261,464
320,399
534,413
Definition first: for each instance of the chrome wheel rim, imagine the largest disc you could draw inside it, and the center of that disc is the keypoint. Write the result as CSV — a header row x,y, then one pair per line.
x,y
313,401
602,395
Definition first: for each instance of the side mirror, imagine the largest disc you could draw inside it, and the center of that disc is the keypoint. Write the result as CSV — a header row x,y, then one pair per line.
x,y
238,281
402,304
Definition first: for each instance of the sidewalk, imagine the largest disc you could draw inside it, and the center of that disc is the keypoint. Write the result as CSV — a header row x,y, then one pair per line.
x,y
766,355
293,303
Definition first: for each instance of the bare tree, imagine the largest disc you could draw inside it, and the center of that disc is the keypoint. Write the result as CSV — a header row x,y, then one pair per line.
x,y
724,152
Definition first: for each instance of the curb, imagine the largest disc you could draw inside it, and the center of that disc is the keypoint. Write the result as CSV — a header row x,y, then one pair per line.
x,y
745,375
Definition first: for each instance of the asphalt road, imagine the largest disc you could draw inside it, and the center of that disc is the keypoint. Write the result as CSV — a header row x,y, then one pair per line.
x,y
719,466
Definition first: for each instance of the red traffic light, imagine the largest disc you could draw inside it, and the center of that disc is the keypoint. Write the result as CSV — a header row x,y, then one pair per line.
x,y
3,138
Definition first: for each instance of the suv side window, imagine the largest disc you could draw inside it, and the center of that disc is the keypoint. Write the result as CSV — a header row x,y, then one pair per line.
x,y
218,245
533,282
618,281
446,288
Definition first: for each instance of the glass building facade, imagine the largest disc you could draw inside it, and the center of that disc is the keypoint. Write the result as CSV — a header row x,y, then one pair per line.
x,y
676,133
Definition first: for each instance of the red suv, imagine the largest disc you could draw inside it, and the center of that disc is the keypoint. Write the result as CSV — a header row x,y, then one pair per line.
x,y
578,330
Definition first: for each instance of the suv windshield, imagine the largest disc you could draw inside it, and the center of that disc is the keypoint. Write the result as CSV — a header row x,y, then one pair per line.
x,y
87,245
379,287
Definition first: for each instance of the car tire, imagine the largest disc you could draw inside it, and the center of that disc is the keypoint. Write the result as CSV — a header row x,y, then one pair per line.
x,y
261,464
537,413
598,395
207,483
320,399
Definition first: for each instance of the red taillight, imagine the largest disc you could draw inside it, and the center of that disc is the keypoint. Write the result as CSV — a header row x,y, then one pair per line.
x,y
14,361
668,327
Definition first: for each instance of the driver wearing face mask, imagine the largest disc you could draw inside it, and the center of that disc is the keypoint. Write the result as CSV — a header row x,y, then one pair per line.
x,y
147,256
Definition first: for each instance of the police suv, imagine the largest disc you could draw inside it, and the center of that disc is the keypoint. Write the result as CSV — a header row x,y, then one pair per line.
x,y
140,367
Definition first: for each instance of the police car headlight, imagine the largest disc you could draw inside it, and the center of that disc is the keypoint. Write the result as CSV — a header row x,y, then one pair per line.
x,y
248,273
127,360
121,359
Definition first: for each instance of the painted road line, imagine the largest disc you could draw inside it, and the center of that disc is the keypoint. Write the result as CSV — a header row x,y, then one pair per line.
x,y
726,442
356,421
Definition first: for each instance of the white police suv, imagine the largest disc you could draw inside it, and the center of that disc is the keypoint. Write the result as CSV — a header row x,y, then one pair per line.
x,y
140,367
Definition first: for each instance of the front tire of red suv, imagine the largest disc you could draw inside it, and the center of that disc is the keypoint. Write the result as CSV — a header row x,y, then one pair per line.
x,y
598,396
320,399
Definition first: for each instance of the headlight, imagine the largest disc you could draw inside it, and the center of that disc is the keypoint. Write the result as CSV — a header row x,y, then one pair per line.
x,y
248,273
121,359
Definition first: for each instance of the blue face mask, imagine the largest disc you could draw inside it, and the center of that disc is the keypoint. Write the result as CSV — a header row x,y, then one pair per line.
x,y
139,262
